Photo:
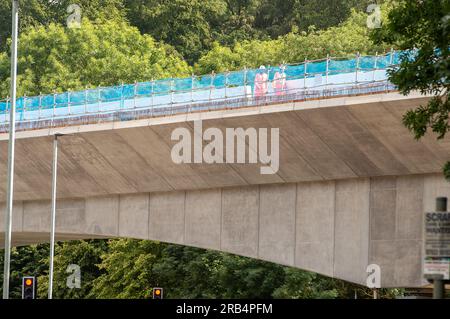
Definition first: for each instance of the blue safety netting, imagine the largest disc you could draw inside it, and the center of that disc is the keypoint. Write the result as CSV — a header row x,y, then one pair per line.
x,y
178,90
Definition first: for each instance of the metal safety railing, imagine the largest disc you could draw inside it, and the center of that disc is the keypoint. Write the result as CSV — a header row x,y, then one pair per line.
x,y
308,80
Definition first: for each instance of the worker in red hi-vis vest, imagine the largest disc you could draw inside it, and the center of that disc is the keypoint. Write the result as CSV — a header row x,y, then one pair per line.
x,y
261,79
279,81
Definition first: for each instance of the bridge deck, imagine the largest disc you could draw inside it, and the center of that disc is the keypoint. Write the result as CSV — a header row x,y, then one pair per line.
x,y
329,139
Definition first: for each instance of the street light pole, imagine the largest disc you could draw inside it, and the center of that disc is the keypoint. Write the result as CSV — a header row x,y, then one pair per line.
x,y
11,146
53,217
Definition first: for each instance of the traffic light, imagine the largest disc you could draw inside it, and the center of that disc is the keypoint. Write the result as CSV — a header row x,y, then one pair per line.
x,y
29,288
157,293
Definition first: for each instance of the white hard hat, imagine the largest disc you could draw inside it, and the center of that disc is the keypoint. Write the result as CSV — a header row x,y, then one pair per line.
x,y
262,67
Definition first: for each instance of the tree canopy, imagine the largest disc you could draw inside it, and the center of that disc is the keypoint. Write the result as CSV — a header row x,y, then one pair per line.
x,y
126,268
347,39
423,27
58,58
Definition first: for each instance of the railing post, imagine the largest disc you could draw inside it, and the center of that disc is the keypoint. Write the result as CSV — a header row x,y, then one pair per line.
x,y
267,83
327,72
211,85
135,93
357,67
192,87
152,94
375,66
122,100
99,99
85,100
54,104
24,107
171,96
305,76
226,83
391,60
7,109
40,105
245,82
68,100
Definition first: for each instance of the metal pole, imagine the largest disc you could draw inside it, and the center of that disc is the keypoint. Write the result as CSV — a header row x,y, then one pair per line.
x,y
53,217
357,67
305,73
226,83
40,105
99,97
245,82
375,66
11,146
68,101
54,105
24,109
85,99
192,88
122,101
134,94
152,96
211,85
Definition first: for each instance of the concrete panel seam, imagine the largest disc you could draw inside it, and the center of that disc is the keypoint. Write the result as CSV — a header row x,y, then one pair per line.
x,y
149,220
184,217
221,218
295,223
118,215
23,214
259,220
334,230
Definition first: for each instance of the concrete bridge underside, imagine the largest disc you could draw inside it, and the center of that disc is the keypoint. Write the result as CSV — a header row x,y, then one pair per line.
x,y
351,190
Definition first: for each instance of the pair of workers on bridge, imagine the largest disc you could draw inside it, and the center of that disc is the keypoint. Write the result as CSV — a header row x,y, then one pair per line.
x,y
262,82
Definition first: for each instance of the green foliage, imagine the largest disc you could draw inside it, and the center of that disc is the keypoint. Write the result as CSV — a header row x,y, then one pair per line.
x,y
280,17
84,253
305,285
25,261
130,268
127,268
186,25
344,40
424,25
33,13
61,59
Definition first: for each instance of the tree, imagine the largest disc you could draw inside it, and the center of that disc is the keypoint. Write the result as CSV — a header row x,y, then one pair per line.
x,y
300,284
84,253
34,13
58,58
280,17
425,27
126,270
347,39
186,25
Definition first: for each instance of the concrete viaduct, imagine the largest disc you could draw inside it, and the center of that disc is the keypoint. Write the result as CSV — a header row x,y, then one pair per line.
x,y
351,190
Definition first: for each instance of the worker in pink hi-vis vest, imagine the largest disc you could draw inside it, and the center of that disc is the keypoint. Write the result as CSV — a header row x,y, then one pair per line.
x,y
279,81
261,79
